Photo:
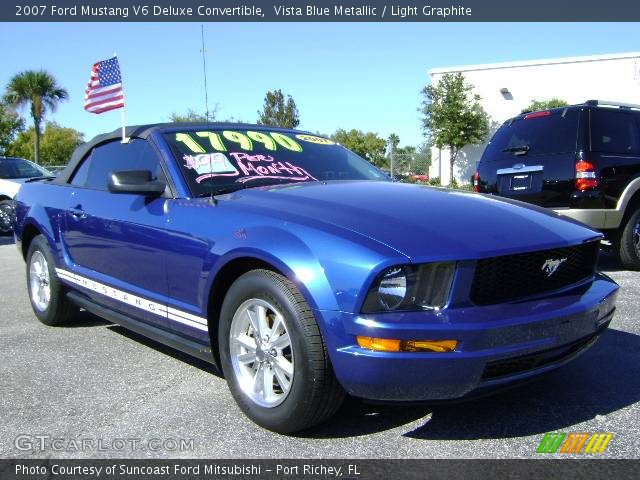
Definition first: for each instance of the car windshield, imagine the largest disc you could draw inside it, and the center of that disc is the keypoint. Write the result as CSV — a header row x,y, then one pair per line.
x,y
11,168
540,133
221,161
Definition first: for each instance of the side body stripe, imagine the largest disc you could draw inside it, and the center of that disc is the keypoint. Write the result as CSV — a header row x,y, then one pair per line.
x,y
142,303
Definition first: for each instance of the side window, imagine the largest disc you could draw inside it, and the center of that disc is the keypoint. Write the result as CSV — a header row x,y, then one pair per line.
x,y
614,132
110,157
79,178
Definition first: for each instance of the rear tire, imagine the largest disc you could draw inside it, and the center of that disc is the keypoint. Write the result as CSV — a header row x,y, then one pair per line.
x,y
628,242
273,355
46,292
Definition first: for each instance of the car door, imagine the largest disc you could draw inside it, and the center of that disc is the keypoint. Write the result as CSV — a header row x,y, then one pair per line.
x,y
115,244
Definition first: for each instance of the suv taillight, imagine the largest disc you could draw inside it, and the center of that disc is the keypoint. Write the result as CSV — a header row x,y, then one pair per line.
x,y
586,176
476,182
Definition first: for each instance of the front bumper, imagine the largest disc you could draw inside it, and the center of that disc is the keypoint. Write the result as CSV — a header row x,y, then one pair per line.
x,y
497,344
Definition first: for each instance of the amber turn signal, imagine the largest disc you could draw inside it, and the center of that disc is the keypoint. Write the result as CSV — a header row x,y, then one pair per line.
x,y
389,345
379,344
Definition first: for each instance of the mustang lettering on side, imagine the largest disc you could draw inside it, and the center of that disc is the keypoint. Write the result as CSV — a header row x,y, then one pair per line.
x,y
304,273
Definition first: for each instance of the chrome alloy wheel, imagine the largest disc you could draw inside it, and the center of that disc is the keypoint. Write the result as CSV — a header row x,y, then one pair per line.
x,y
7,214
39,281
261,352
636,237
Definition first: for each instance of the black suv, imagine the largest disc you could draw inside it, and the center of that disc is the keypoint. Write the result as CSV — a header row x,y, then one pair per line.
x,y
582,161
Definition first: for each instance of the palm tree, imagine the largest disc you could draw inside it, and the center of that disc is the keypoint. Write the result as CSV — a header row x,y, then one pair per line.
x,y
39,90
393,141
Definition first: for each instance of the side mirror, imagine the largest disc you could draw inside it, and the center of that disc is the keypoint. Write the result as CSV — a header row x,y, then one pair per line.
x,y
135,182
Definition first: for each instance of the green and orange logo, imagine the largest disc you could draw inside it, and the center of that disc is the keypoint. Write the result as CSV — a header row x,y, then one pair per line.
x,y
583,442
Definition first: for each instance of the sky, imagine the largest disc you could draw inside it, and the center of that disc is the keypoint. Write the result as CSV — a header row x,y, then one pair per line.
x,y
341,75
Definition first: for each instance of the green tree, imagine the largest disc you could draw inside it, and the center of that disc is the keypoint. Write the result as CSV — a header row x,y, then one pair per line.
x,y
10,125
366,144
538,105
192,116
278,111
453,116
393,141
57,144
40,91
406,150
421,157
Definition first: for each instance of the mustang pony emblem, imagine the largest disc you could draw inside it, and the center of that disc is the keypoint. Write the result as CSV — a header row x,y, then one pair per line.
x,y
551,265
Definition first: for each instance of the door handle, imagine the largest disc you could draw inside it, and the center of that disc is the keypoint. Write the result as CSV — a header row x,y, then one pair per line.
x,y
77,212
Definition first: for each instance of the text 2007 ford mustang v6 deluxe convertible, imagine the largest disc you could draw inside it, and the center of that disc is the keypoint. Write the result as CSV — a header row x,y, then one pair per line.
x,y
302,271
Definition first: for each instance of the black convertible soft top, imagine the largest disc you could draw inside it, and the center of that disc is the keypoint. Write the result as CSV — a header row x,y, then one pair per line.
x,y
79,153
143,131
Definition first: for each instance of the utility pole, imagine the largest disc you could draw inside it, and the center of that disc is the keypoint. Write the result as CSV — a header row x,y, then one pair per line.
x,y
204,72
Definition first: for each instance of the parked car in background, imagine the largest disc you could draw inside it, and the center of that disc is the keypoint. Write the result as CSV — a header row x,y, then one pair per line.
x,y
13,173
582,161
304,272
420,178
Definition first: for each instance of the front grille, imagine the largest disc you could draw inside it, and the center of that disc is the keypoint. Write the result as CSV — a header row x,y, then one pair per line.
x,y
524,363
510,277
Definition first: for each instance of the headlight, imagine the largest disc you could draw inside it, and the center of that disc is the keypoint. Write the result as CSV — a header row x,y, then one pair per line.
x,y
392,289
411,287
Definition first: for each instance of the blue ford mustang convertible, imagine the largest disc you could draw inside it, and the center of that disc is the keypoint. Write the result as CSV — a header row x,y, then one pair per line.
x,y
304,273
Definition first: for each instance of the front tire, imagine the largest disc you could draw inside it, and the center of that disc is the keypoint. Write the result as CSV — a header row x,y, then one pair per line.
x,y
273,355
629,242
46,292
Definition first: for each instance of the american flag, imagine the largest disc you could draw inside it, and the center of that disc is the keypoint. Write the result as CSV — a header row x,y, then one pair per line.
x,y
104,90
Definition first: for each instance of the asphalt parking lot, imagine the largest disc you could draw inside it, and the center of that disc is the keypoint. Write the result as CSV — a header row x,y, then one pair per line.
x,y
100,383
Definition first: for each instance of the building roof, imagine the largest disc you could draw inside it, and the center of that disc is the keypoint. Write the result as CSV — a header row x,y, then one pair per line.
x,y
534,63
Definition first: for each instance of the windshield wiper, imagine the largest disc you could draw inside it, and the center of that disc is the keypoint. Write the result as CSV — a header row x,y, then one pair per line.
x,y
519,150
36,179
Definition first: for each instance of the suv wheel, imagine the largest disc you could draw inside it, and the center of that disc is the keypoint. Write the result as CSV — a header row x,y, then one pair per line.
x,y
46,292
629,242
273,355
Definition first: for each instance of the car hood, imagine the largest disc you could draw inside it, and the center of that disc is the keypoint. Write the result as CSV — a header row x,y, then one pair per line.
x,y
420,222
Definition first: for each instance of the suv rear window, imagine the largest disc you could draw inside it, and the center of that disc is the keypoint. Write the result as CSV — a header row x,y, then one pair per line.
x,y
614,132
539,135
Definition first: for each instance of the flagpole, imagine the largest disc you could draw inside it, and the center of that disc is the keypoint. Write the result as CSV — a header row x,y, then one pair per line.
x,y
122,110
124,135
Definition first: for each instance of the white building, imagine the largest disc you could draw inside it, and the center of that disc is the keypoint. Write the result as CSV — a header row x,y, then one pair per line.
x,y
507,88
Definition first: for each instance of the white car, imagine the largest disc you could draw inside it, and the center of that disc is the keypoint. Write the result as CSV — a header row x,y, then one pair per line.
x,y
13,173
